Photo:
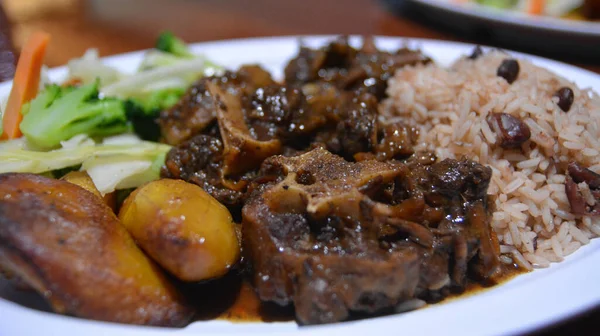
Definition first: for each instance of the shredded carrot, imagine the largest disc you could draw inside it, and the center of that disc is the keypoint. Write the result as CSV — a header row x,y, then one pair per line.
x,y
25,84
536,7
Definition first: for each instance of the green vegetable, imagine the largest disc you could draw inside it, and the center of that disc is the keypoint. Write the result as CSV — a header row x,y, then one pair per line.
x,y
170,65
43,99
27,161
180,75
502,4
143,110
160,99
58,114
170,43
156,58
125,162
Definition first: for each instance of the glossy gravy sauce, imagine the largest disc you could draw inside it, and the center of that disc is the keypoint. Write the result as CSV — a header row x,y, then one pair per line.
x,y
233,298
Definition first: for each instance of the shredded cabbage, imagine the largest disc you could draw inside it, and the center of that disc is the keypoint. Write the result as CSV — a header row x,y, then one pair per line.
x,y
89,67
183,72
119,162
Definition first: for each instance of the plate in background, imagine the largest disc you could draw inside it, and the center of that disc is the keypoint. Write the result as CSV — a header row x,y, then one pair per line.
x,y
549,36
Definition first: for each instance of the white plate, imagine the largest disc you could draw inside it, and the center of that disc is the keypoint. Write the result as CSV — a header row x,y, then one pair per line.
x,y
538,34
528,302
516,18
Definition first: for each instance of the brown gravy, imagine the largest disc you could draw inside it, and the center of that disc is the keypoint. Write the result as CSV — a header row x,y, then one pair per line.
x,y
233,298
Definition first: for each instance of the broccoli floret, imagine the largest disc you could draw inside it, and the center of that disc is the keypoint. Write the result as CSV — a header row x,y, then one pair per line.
x,y
58,114
142,111
159,99
43,99
170,43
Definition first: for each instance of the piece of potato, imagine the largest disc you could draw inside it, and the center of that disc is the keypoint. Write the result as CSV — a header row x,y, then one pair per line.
x,y
183,228
84,180
68,245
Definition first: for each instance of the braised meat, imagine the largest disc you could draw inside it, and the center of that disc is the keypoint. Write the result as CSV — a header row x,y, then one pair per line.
x,y
217,158
198,160
330,98
366,69
339,212
245,129
331,236
195,110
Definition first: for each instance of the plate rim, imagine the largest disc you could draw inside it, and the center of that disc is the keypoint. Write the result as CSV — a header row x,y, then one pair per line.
x,y
591,250
545,23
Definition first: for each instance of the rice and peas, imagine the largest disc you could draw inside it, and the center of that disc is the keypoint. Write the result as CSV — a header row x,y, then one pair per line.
x,y
531,213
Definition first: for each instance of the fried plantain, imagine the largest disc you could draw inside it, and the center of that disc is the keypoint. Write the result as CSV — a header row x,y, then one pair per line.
x,y
67,244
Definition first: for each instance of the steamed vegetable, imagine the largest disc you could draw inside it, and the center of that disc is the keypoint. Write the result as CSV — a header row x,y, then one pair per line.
x,y
156,59
58,114
170,66
90,68
143,110
25,83
118,163
183,228
99,102
503,4
181,74
171,44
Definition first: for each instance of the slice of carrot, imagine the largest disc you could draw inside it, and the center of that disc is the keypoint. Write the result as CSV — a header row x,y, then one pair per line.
x,y
536,7
26,82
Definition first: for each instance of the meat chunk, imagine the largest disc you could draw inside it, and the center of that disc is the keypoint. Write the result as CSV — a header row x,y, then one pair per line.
x,y
219,158
249,128
366,69
198,160
301,247
195,110
334,237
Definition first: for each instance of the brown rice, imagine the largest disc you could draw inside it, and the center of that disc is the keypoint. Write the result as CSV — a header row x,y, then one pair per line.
x,y
531,213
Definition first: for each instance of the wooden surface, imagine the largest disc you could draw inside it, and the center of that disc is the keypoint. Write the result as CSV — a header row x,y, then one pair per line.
x,y
117,26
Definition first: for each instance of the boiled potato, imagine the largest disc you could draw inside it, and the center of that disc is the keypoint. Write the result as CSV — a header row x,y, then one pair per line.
x,y
183,228
69,246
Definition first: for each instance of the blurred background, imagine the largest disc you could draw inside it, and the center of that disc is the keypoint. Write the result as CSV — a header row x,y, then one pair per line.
x,y
116,26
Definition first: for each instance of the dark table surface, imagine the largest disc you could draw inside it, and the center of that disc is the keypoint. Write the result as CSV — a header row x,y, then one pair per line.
x,y
117,26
